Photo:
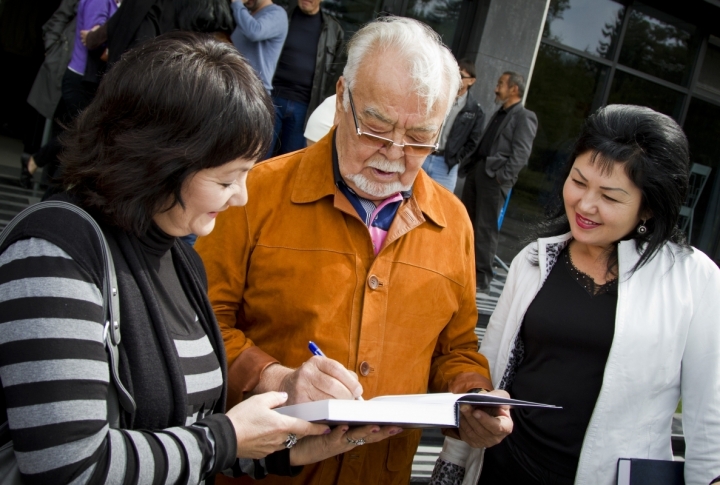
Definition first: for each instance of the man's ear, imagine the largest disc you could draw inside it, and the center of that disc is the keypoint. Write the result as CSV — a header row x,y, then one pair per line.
x,y
340,87
339,91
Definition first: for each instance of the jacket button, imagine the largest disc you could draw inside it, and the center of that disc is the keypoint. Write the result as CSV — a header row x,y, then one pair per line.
x,y
364,368
373,282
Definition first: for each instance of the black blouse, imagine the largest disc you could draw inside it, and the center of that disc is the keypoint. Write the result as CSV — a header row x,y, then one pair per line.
x,y
567,333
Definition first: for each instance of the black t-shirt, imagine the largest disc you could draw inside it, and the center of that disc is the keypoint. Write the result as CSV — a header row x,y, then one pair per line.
x,y
490,133
296,67
567,333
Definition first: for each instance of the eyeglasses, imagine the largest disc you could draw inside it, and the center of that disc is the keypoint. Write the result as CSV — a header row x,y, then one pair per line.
x,y
368,139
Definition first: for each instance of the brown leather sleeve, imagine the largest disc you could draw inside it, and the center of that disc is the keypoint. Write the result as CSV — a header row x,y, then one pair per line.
x,y
244,373
469,380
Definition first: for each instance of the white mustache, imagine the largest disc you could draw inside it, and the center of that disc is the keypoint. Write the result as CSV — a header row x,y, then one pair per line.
x,y
387,166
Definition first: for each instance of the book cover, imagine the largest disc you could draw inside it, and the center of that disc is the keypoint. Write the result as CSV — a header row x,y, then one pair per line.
x,y
636,471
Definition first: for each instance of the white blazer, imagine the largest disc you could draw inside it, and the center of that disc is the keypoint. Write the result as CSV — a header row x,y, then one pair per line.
x,y
666,345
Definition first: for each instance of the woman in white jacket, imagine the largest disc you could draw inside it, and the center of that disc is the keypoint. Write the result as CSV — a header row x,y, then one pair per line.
x,y
610,315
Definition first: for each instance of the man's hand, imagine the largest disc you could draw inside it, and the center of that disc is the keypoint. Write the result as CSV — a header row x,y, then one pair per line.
x,y
487,426
318,378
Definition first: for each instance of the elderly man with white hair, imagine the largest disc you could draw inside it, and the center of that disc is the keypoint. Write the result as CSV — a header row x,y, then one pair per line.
x,y
349,244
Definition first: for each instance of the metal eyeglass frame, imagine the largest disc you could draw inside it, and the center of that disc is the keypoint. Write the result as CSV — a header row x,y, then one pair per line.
x,y
388,143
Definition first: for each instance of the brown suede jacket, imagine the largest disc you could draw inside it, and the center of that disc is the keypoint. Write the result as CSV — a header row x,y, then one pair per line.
x,y
297,264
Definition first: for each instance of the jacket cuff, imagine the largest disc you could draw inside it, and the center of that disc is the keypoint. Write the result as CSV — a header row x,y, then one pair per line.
x,y
455,452
225,441
244,373
469,380
278,463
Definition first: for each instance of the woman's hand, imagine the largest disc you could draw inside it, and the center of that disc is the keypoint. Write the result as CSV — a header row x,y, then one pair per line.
x,y
316,448
260,430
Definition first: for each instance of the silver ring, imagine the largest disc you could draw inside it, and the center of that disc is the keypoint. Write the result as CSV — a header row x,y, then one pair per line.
x,y
290,441
359,442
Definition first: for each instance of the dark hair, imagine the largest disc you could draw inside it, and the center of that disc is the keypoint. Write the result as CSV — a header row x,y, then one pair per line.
x,y
173,106
516,79
653,151
468,66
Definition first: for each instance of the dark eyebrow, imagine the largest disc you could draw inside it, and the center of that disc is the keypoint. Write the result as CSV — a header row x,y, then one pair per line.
x,y
604,188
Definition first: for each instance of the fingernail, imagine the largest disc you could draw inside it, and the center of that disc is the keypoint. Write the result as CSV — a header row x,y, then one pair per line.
x,y
284,394
345,428
327,431
395,431
375,430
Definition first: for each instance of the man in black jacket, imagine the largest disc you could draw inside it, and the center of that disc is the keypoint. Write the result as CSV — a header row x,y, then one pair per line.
x,y
304,72
460,135
493,169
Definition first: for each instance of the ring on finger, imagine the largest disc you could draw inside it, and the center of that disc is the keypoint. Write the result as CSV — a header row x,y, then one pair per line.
x,y
291,440
357,442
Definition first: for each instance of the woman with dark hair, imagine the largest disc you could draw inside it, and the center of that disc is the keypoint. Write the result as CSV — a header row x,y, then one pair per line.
x,y
609,314
165,146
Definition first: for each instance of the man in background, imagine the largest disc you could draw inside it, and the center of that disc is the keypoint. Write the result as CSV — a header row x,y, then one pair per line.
x,y
460,135
259,35
304,73
491,172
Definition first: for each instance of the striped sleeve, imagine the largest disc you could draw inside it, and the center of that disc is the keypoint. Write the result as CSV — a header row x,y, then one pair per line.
x,y
55,375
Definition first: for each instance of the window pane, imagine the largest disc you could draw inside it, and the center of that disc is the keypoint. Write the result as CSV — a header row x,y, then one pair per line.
x,y
352,14
441,15
565,90
660,45
709,79
629,89
702,127
588,25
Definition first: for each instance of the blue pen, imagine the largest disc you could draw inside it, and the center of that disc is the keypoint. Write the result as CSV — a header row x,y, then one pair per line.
x,y
316,351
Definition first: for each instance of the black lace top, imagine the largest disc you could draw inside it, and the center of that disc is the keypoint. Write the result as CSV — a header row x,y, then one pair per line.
x,y
585,280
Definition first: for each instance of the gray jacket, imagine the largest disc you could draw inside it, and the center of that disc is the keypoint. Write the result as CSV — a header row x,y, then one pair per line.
x,y
329,49
511,147
59,38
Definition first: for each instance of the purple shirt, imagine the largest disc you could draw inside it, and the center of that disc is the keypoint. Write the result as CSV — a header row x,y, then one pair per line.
x,y
89,14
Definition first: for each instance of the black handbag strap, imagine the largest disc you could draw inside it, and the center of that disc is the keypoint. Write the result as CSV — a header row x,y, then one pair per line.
x,y
111,308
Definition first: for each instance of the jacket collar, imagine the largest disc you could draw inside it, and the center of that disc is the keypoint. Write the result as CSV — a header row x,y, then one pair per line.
x,y
470,103
315,180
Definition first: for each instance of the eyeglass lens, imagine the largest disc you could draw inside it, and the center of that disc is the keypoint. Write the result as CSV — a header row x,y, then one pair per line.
x,y
379,141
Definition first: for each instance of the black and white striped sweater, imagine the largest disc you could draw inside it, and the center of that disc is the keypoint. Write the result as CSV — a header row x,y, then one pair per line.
x,y
54,374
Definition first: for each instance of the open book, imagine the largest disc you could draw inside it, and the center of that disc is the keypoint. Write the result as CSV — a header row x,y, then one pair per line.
x,y
409,411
